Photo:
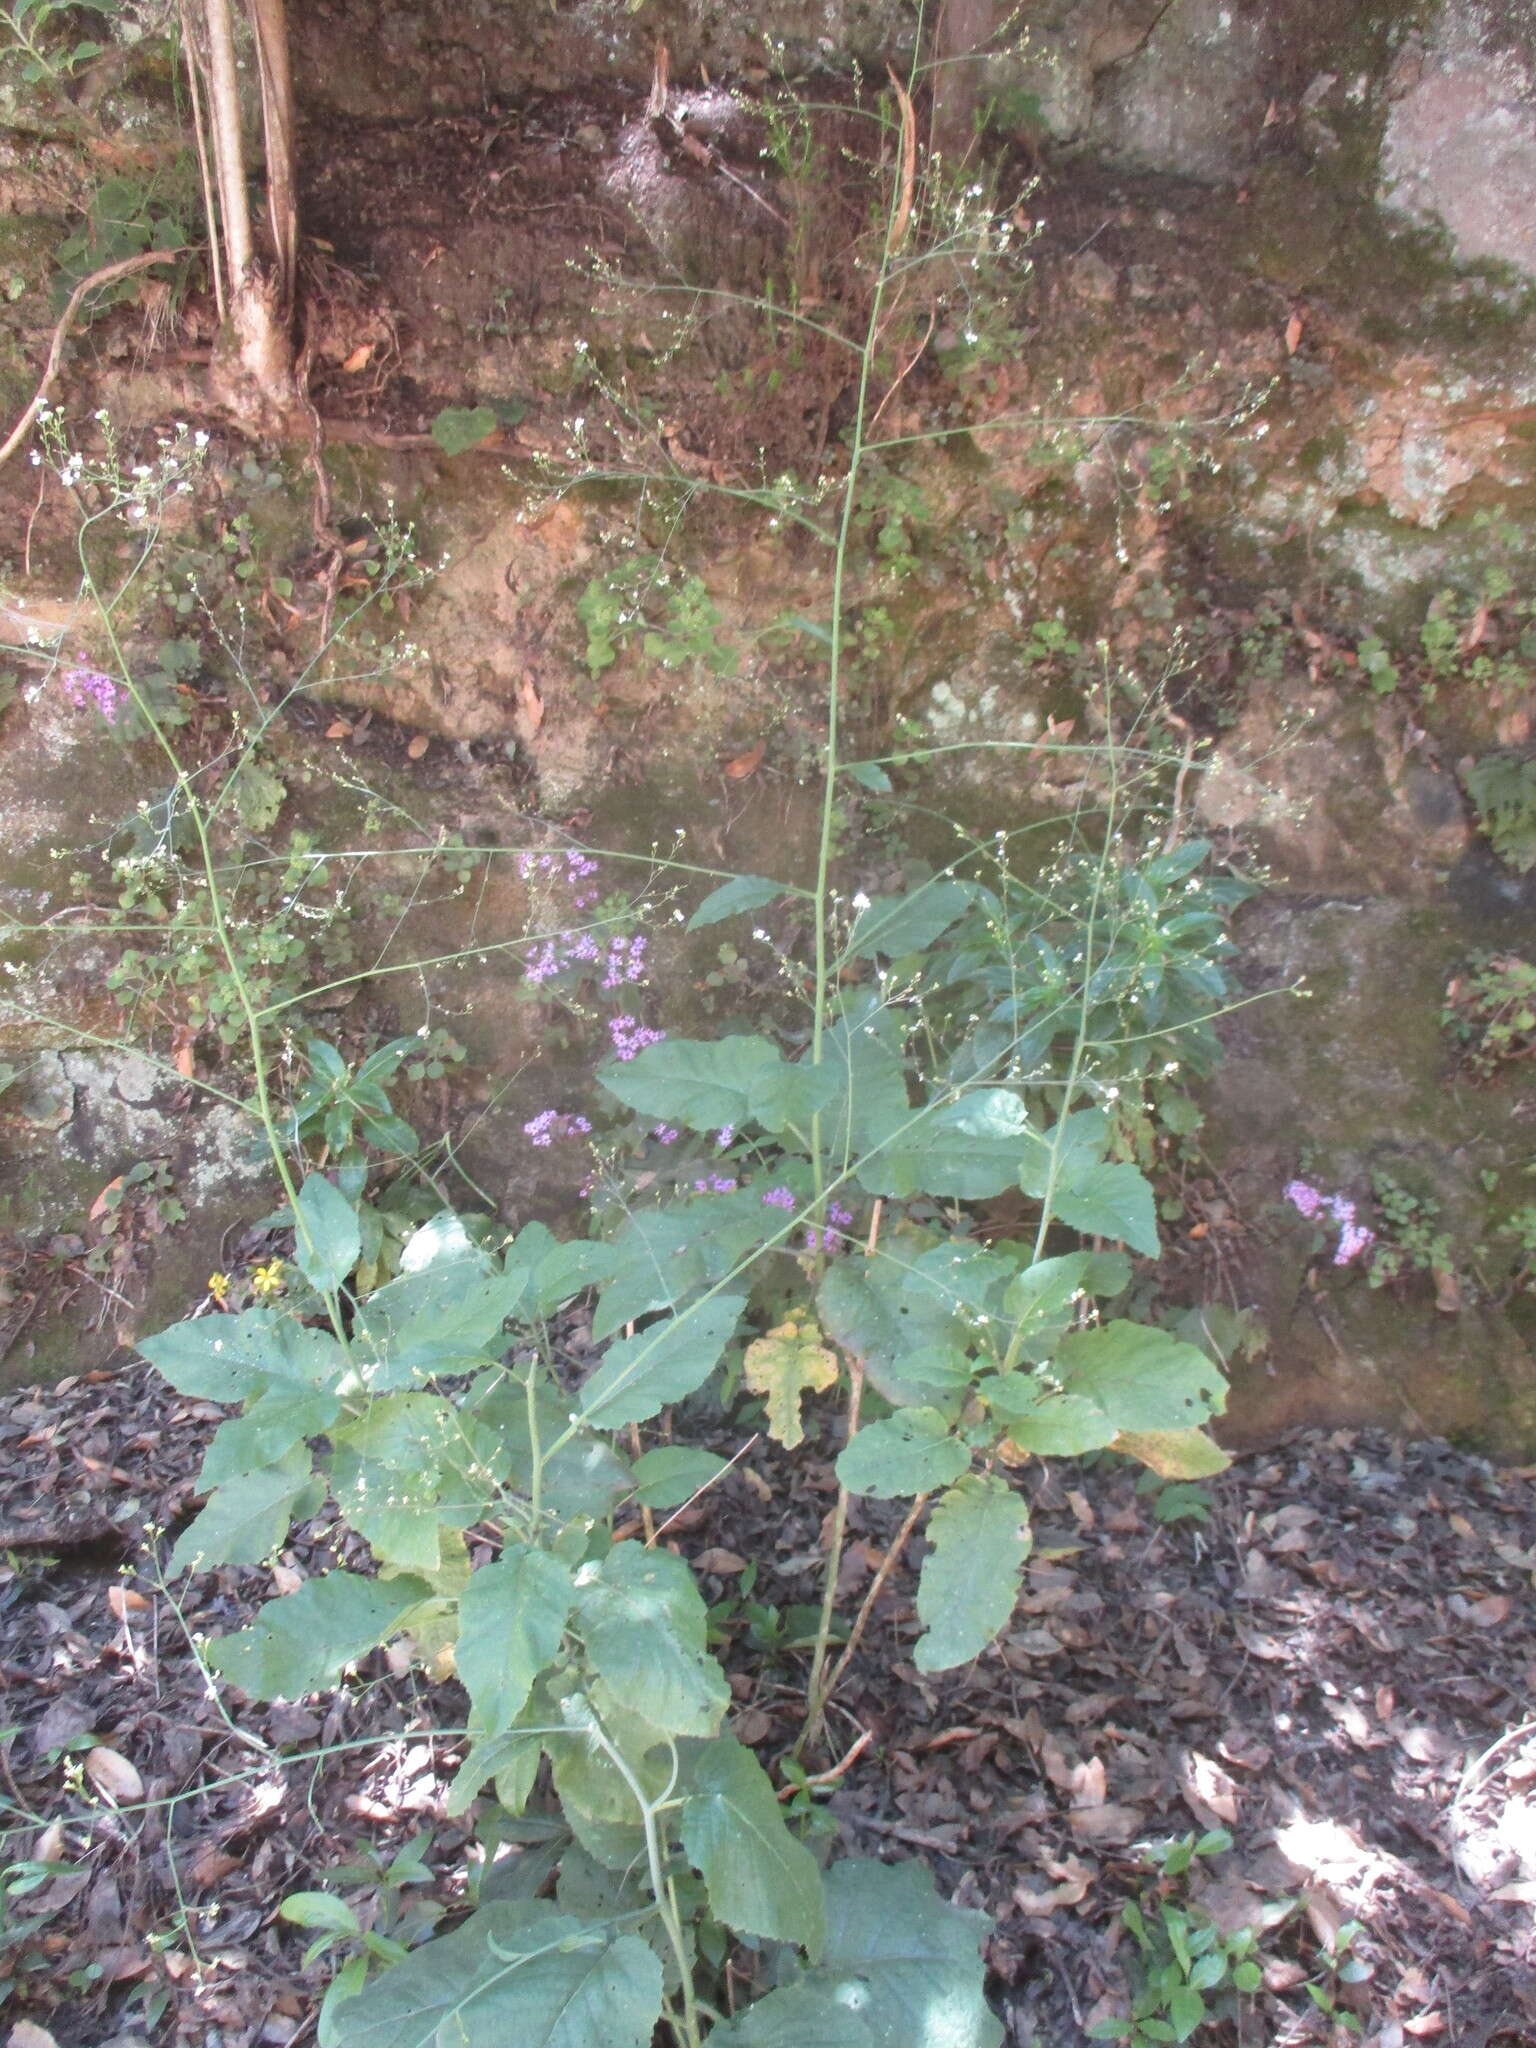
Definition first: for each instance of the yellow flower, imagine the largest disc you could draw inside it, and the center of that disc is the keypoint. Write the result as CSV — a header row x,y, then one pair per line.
x,y
268,1280
218,1287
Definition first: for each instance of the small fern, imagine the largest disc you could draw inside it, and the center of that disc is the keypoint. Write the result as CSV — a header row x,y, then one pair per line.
x,y
1503,789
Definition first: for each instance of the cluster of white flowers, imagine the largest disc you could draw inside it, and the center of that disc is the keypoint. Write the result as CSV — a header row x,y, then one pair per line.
x,y
138,490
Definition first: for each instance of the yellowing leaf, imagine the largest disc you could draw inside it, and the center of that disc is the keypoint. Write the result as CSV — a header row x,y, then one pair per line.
x,y
1174,1453
418,747
358,360
790,1361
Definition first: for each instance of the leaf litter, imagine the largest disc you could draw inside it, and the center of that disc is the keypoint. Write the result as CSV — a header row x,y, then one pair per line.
x,y
1336,1668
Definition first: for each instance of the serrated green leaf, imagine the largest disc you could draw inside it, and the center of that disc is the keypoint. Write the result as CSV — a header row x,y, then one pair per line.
x,y
782,1365
913,1960
229,1358
517,1972
644,1623
512,1618
458,428
283,1416
895,925
868,775
304,1641
742,892
1040,1302
760,1880
672,1474
1111,1201
910,1452
966,1148
247,1517
1041,1419
970,1577
1140,1377
327,1239
701,1084
641,1375
802,2016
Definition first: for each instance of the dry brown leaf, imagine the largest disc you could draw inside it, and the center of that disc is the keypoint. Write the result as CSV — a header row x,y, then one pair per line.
x,y
746,764
1090,1783
28,2034
1209,1792
1075,1876
112,1774
123,1601
211,1863
1490,1613
418,747
285,1579
1112,1824
101,1205
359,358
338,729
1294,328
49,1846
723,1562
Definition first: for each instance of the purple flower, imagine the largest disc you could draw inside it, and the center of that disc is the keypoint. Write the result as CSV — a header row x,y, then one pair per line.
x,y
630,1036
1307,1199
664,1134
1352,1241
839,1215
550,1124
779,1198
724,1136
716,1184
84,686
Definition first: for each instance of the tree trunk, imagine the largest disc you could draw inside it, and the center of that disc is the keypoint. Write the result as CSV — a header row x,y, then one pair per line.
x,y
964,30
253,376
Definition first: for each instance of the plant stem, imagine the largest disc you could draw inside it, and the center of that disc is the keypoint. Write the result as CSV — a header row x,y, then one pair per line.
x,y
861,1620
815,1692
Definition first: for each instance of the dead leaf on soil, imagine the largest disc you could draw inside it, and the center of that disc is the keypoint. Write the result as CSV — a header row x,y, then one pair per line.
x,y
746,764
1075,1877
338,729
123,1601
1111,1824
1294,328
1209,1793
27,2034
530,706
359,358
112,1774
418,746
724,1563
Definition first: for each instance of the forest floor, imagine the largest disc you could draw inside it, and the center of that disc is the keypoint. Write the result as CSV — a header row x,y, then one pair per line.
x,y
1336,1668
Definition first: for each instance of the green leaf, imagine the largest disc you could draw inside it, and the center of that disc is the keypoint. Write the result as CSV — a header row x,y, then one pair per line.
x,y
229,1358
1111,1201
512,1618
802,2016
1040,1302
906,1962
760,1879
895,925
327,1239
742,892
1186,2011
517,1974
788,1361
1139,1377
283,1416
970,1577
644,1623
672,1474
305,1640
1043,1420
907,1453
248,1517
641,1375
868,775
702,1084
458,428
318,1909
968,1147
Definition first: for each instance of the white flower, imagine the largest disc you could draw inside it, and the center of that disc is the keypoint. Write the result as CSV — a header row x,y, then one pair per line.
x,y
861,901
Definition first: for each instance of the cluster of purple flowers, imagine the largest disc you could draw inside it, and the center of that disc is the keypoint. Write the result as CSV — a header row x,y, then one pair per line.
x,y
716,1184
1353,1237
554,956
573,864
84,686
779,1198
551,1124
626,960
666,1134
831,1239
630,1036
